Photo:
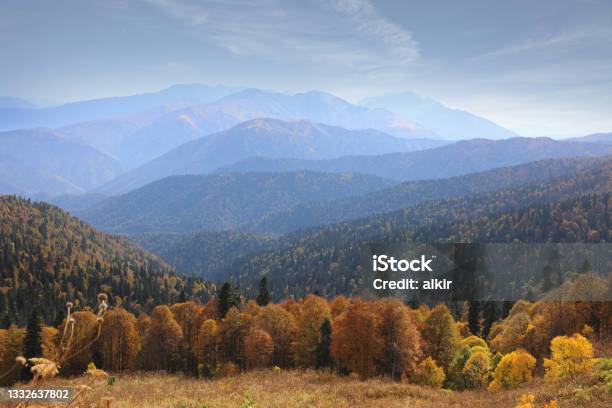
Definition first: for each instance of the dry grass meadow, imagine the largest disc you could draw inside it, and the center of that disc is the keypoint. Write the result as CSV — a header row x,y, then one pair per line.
x,y
296,388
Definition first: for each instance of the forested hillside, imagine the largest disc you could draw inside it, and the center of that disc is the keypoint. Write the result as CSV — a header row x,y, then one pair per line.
x,y
223,201
206,254
573,208
192,254
412,193
48,257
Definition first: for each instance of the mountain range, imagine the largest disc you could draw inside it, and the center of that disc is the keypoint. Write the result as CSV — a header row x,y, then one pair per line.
x,y
42,160
15,117
453,124
269,137
446,161
328,260
191,253
224,201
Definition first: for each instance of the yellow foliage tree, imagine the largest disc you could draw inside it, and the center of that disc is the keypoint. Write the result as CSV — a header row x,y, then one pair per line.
x,y
477,369
49,345
85,330
206,348
233,331
570,356
428,373
162,342
513,369
338,305
281,326
442,341
309,317
11,346
119,341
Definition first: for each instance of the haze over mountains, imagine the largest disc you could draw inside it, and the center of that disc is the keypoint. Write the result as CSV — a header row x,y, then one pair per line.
x,y
15,117
284,202
447,161
39,160
221,201
114,145
260,137
228,183
449,123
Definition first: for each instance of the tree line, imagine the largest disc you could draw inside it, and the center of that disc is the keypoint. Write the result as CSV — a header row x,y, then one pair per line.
x,y
430,346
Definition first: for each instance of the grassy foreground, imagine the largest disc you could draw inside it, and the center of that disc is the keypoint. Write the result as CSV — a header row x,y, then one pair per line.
x,y
296,388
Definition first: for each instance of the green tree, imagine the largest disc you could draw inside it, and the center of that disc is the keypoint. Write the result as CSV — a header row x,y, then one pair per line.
x,y
263,298
227,299
32,344
324,357
441,336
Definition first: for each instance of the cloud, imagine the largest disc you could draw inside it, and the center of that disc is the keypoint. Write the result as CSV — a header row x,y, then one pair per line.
x,y
565,40
326,35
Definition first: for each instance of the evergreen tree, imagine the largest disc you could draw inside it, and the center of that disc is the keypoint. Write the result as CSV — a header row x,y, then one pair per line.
x,y
33,341
263,298
227,299
474,317
324,357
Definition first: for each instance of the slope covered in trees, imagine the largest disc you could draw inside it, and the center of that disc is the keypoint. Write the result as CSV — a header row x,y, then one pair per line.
x,y
573,208
412,193
206,254
48,257
221,201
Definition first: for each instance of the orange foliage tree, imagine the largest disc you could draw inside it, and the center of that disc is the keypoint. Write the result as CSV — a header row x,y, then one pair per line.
x,y
355,340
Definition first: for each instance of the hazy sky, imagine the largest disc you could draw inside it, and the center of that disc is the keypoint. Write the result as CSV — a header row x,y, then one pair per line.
x,y
536,67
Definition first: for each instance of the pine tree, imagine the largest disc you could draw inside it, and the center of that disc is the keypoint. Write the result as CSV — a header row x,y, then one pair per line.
x,y
227,299
263,298
33,341
474,316
324,358
33,338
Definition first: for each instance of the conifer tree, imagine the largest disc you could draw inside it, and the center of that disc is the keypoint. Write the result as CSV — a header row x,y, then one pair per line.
x,y
227,299
33,341
263,298
474,316
324,358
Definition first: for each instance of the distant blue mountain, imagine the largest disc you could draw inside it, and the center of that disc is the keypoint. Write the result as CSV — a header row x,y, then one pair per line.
x,y
15,117
449,123
272,138
44,161
598,138
136,139
321,107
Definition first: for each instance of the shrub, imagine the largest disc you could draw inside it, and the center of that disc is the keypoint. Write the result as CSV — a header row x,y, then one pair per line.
x,y
526,401
514,368
570,356
477,369
428,373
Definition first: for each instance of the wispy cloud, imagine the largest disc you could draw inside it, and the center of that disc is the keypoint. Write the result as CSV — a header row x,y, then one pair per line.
x,y
346,34
567,40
